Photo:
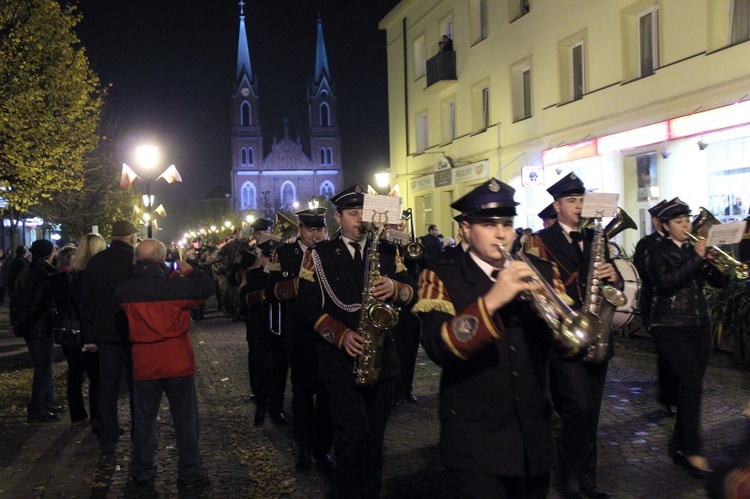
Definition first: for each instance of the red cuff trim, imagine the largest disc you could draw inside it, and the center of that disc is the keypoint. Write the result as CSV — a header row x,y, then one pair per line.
x,y
286,290
256,298
403,293
470,331
331,330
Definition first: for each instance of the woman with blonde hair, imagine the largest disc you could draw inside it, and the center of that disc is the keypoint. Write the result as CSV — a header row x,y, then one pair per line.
x,y
80,364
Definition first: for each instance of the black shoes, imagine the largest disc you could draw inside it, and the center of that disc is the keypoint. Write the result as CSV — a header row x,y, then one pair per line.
x,y
197,479
260,417
411,398
47,417
278,418
681,460
595,493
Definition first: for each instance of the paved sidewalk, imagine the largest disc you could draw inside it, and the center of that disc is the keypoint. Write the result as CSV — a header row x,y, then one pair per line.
x,y
60,460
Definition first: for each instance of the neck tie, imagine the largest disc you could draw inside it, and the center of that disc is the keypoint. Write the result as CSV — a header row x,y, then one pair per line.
x,y
576,239
357,254
494,273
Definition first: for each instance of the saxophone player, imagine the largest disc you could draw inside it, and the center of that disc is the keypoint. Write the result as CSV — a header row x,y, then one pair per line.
x,y
331,286
576,386
681,326
495,418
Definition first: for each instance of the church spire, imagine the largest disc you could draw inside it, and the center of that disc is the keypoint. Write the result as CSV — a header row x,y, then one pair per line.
x,y
243,53
321,59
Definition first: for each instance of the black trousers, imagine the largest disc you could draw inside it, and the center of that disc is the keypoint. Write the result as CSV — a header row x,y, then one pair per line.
x,y
80,366
577,389
406,335
686,352
115,362
359,417
472,485
311,411
269,365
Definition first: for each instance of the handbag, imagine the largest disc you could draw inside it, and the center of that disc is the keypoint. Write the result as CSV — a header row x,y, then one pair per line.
x,y
68,337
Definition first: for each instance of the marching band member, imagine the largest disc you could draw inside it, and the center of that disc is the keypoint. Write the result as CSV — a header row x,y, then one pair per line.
x,y
331,288
576,386
495,419
313,428
667,395
681,326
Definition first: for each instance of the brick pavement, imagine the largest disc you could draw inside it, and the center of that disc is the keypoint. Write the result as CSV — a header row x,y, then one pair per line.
x,y
60,460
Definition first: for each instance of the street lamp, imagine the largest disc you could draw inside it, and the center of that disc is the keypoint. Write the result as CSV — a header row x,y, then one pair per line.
x,y
147,158
383,179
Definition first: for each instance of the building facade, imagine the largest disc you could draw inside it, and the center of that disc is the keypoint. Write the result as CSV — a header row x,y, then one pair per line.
x,y
646,98
291,173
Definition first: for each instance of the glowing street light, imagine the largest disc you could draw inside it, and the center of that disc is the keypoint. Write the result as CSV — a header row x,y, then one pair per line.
x,y
383,179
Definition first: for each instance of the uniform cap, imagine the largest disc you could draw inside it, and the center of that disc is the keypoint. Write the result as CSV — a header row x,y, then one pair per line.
x,y
267,248
351,197
569,185
314,217
655,209
672,209
261,224
493,199
549,213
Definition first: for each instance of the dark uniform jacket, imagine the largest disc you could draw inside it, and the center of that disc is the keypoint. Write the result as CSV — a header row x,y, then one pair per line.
x,y
639,260
252,296
495,416
678,278
330,299
281,289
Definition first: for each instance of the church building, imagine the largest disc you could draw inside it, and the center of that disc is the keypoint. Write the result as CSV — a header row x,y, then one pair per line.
x,y
290,175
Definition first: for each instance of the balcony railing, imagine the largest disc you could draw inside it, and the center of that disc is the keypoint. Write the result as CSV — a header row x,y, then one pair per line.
x,y
441,67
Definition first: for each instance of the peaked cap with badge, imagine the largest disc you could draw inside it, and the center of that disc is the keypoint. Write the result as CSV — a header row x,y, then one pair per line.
x,y
350,198
492,200
314,217
267,248
569,185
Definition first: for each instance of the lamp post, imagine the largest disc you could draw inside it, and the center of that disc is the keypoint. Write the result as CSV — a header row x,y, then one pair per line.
x,y
147,158
383,179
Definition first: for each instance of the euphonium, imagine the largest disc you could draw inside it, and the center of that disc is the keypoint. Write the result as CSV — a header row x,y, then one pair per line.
x,y
571,330
601,299
375,319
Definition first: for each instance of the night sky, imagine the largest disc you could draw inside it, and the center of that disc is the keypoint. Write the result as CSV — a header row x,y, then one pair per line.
x,y
171,65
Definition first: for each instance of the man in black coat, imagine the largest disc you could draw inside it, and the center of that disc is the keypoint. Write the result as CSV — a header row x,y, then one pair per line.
x,y
431,245
34,318
330,298
577,386
495,418
105,327
313,428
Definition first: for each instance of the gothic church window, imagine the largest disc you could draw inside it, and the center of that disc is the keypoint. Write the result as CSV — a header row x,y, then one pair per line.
x,y
247,196
245,114
325,115
327,190
250,156
288,194
326,156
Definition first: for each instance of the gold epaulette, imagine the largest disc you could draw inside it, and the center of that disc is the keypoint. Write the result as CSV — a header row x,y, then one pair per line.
x,y
428,305
400,267
306,274
273,267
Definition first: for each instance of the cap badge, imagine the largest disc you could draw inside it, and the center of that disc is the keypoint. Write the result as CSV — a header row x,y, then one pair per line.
x,y
494,186
358,190
573,176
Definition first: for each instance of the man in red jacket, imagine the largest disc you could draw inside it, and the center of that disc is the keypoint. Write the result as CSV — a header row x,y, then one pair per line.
x,y
157,303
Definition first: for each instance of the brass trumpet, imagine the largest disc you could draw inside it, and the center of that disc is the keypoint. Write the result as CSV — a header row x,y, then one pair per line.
x,y
723,261
571,329
415,249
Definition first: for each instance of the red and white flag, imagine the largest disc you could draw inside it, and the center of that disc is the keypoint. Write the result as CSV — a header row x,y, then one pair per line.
x,y
171,175
127,177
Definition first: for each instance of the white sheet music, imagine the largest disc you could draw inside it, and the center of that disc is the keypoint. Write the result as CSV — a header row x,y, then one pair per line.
x,y
381,209
599,204
729,233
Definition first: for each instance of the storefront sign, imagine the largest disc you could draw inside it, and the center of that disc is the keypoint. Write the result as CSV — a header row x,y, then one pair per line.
x,y
443,178
470,172
424,183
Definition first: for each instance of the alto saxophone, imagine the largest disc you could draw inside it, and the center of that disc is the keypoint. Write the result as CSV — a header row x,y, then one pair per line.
x,y
601,299
375,319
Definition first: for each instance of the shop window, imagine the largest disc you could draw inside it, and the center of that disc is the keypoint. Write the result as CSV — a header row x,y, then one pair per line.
x,y
646,170
729,179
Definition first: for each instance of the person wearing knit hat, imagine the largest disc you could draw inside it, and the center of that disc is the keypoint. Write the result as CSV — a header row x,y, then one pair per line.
x,y
32,321
681,325
577,387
